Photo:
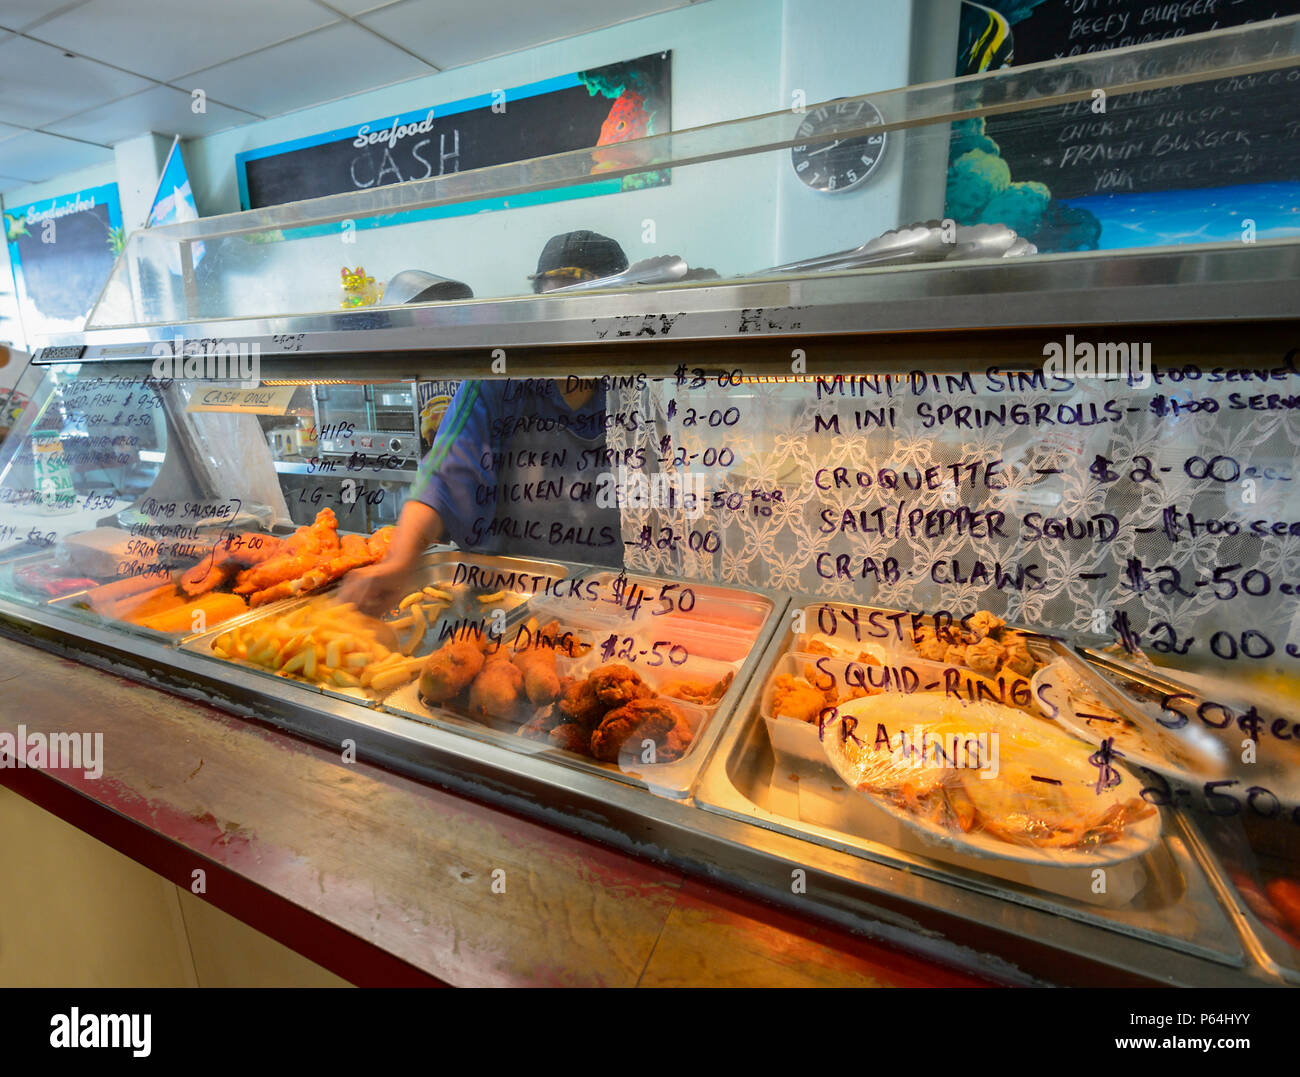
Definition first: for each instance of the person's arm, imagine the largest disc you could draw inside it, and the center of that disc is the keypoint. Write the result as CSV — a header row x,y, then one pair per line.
x,y
442,504
462,463
377,588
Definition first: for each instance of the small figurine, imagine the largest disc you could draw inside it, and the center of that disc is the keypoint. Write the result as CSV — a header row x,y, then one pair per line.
x,y
358,289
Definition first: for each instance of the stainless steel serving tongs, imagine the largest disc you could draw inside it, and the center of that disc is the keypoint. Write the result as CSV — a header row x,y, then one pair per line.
x,y
917,243
662,269
1088,664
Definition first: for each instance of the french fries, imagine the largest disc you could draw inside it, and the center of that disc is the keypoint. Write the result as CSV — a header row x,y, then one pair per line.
x,y
422,609
331,645
391,672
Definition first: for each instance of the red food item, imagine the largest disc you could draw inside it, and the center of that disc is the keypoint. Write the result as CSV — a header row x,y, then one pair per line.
x,y
1255,900
1284,935
35,578
1284,894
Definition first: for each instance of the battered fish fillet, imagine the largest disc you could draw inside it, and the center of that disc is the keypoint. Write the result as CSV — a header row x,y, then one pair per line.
x,y
207,575
639,720
497,689
248,548
449,670
300,553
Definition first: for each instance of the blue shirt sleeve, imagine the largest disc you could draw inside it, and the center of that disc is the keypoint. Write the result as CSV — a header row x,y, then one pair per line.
x,y
461,461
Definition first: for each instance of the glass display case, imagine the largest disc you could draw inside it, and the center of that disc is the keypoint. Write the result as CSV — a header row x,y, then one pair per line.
x,y
898,570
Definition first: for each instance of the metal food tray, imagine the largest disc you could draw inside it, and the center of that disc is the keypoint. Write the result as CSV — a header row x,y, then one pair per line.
x,y
201,644
673,779
1177,908
1269,951
433,568
439,569
69,604
9,585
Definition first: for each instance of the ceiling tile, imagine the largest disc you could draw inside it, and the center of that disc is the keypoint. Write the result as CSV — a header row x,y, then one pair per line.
x,y
167,40
334,62
163,110
41,84
20,14
35,156
446,35
350,7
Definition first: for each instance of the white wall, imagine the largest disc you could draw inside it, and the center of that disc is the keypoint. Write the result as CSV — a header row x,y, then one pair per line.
x,y
726,64
846,48
731,58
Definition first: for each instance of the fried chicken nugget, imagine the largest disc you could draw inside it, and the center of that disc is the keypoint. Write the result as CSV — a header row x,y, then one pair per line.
x,y
639,720
794,697
536,661
571,737
497,689
617,684
449,670
578,702
587,701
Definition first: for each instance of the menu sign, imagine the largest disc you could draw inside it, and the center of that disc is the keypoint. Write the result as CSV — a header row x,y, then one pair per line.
x,y
602,106
1174,164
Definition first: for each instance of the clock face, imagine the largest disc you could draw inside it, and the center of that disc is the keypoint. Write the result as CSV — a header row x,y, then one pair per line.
x,y
838,164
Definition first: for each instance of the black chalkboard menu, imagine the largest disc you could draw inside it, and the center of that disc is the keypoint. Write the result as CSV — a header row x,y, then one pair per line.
x,y
1136,173
596,107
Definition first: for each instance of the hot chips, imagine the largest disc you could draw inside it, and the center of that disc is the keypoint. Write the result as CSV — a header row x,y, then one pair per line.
x,y
331,645
418,633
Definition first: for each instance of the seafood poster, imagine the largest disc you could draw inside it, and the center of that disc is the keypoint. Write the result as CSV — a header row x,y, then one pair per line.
x,y
1198,163
601,107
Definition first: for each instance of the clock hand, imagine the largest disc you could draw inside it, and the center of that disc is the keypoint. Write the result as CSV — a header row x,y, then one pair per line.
x,y
814,153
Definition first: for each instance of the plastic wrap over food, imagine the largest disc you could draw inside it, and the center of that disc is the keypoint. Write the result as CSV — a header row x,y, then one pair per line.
x,y
983,771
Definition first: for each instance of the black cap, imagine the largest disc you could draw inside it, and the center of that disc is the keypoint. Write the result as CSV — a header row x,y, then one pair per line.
x,y
589,251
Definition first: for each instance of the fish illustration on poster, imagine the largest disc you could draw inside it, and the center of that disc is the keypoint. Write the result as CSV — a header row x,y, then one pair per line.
x,y
62,251
603,108
1184,164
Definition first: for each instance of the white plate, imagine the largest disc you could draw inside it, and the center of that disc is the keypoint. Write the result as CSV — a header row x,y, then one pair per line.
x,y
1137,840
